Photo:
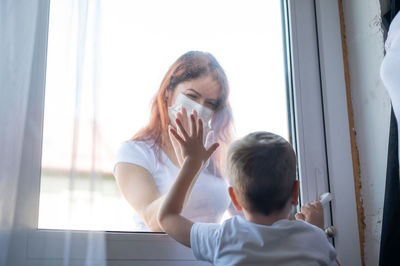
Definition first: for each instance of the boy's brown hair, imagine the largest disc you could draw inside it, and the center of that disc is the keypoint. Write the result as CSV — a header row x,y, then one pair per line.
x,y
262,170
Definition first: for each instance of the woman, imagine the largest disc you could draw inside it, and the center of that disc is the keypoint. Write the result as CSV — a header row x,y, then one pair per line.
x,y
148,164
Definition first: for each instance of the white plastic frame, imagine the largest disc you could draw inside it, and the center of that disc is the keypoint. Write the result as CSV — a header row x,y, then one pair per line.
x,y
323,139
315,74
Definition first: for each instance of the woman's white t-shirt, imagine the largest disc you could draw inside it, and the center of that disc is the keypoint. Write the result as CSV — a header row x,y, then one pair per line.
x,y
209,198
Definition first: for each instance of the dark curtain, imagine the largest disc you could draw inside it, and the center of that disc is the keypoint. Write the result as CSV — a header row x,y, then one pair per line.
x,y
390,235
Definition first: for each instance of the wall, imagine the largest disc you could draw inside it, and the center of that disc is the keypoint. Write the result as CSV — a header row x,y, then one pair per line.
x,y
371,107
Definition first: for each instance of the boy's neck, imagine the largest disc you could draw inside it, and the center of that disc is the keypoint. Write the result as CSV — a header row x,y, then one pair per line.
x,y
262,219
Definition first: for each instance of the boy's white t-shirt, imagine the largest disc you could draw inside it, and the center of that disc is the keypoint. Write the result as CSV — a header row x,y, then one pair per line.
x,y
209,199
240,242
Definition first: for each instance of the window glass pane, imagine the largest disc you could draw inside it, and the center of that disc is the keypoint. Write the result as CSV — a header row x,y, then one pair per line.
x,y
103,72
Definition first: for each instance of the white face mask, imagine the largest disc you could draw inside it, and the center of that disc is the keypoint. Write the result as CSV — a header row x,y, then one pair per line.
x,y
183,101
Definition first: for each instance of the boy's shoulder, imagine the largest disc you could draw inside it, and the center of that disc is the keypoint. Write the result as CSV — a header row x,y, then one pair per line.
x,y
286,237
239,228
239,225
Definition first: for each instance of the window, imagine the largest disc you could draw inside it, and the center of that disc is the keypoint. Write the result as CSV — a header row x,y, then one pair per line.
x,y
103,70
315,74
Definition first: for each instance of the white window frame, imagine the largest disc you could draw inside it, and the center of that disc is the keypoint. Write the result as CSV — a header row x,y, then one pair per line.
x,y
318,88
323,139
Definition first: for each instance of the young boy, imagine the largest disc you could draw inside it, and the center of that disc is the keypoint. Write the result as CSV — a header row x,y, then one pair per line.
x,y
262,172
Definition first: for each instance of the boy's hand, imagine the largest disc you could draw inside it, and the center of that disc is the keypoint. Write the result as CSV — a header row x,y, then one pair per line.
x,y
182,115
312,213
190,149
191,143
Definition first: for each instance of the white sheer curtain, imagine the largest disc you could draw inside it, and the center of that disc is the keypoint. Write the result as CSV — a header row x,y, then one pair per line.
x,y
71,144
18,31
23,42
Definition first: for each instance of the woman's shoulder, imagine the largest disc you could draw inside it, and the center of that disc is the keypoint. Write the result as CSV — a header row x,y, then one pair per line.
x,y
136,145
137,152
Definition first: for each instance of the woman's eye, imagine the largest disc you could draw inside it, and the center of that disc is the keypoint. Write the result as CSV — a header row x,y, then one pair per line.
x,y
212,105
191,96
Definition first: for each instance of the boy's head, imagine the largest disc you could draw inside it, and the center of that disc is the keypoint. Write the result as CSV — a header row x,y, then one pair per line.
x,y
262,171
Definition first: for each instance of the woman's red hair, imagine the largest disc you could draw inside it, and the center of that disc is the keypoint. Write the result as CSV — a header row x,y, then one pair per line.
x,y
191,65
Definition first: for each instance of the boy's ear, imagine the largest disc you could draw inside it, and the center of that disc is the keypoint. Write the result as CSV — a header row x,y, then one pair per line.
x,y
294,197
234,199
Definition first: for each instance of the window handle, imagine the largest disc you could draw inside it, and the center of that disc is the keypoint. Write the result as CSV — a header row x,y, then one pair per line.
x,y
325,198
330,231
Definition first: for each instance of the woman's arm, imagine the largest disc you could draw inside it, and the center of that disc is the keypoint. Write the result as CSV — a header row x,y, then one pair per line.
x,y
138,187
